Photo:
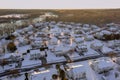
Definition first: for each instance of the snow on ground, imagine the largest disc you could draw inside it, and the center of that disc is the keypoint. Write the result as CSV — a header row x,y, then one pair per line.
x,y
90,75
53,58
28,63
62,39
74,56
21,77
45,74
23,49
110,75
10,66
90,50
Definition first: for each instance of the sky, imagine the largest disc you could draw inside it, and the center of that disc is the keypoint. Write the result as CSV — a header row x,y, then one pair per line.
x,y
59,4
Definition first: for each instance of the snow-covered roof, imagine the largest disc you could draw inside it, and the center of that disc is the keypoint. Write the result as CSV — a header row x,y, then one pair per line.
x,y
86,25
97,44
105,49
56,29
1,50
113,43
86,29
99,34
79,39
94,26
44,74
37,38
38,24
54,39
21,39
110,24
104,64
30,27
89,37
62,48
15,33
31,37
106,32
30,32
76,70
113,29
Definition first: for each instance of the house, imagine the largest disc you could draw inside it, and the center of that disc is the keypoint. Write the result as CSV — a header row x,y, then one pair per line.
x,y
98,35
53,22
106,32
117,32
76,71
86,29
66,31
113,29
30,33
45,29
54,41
94,27
22,41
37,54
96,45
79,40
41,34
77,31
1,50
117,43
61,50
101,65
81,48
55,30
36,44
106,50
117,60
89,38
113,43
38,24
111,24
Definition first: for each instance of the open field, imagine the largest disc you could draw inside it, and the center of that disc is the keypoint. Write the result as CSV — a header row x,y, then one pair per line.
x,y
91,16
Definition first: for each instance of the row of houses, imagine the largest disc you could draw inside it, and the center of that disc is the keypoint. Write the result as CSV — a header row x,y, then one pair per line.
x,y
60,36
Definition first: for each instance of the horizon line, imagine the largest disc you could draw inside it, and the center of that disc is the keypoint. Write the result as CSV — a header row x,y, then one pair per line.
x,y
58,8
